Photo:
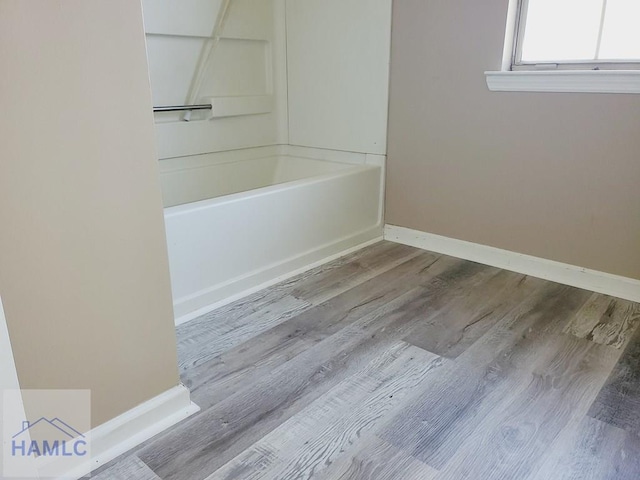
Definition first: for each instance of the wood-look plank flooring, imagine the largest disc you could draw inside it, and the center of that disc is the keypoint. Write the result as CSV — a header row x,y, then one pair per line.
x,y
395,363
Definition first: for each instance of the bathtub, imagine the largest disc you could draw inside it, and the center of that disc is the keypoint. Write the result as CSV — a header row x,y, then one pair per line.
x,y
235,227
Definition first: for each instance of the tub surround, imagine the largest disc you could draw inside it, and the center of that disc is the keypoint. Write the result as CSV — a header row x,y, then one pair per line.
x,y
237,63
287,170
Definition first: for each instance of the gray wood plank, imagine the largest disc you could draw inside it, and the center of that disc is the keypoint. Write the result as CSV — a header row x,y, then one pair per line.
x,y
204,338
311,378
471,314
254,411
129,468
592,451
249,414
374,259
259,355
433,426
606,320
217,379
378,460
331,427
512,438
222,336
618,403
353,271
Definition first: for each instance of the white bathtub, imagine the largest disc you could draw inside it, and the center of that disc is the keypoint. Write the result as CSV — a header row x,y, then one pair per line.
x,y
235,227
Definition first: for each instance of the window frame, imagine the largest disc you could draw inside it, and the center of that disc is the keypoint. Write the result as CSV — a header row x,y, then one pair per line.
x,y
596,64
571,77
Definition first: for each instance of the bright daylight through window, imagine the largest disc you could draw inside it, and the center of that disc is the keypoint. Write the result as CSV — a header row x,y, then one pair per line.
x,y
572,46
598,33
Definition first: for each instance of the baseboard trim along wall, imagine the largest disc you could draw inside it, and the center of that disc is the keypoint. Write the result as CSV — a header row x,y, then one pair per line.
x,y
593,280
135,426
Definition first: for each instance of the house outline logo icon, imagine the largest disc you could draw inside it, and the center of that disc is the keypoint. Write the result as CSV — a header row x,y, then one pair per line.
x,y
68,443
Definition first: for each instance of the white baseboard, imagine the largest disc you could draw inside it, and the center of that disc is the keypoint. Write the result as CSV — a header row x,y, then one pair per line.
x,y
255,282
593,280
135,426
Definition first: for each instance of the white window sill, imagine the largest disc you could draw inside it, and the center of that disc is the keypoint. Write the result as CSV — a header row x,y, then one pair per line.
x,y
572,81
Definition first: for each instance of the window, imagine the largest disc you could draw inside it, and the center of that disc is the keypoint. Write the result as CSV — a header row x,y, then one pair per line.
x,y
578,34
571,46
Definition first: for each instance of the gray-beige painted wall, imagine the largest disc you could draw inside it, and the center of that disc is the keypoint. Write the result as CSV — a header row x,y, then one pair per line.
x,y
84,277
551,175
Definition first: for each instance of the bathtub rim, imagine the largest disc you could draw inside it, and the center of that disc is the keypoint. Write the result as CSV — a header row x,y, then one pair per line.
x,y
232,160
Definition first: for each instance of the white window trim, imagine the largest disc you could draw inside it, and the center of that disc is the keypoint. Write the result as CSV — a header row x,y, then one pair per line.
x,y
562,81
565,81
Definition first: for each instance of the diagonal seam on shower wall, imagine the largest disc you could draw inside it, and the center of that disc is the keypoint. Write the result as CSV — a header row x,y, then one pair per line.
x,y
207,54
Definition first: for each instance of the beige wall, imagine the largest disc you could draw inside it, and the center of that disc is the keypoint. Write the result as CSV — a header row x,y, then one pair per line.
x,y
551,175
84,276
